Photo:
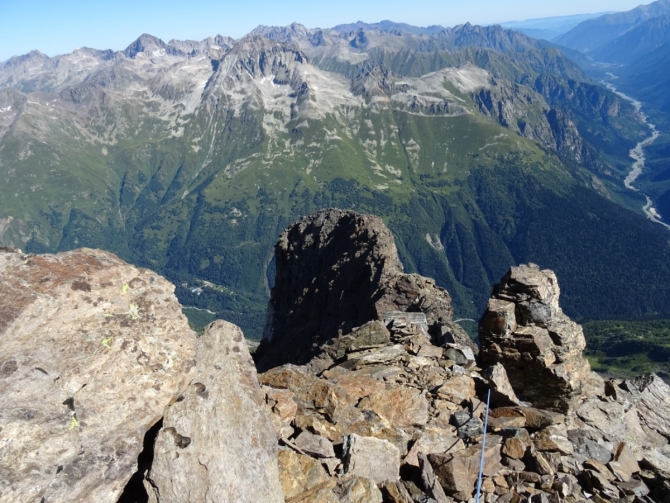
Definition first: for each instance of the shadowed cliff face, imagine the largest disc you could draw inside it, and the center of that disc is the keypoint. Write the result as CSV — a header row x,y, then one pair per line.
x,y
337,270
329,269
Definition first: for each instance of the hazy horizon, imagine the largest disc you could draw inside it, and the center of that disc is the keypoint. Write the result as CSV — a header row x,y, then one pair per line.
x,y
60,28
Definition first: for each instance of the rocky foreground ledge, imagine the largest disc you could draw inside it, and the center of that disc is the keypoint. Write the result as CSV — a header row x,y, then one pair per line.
x,y
106,395
93,353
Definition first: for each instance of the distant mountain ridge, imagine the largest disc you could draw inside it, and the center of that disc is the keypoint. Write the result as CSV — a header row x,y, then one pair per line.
x,y
551,27
636,42
594,33
387,25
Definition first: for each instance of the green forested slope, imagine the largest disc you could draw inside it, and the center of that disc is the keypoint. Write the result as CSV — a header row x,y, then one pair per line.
x,y
195,169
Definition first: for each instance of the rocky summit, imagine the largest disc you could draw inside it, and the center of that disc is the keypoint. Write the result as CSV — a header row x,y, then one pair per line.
x,y
391,412
96,360
108,396
92,350
337,270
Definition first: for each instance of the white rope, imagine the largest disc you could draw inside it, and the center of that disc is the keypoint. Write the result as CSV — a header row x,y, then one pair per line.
x,y
481,461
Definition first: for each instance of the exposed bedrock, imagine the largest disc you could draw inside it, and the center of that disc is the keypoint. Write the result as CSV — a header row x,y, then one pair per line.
x,y
526,331
93,354
217,442
337,270
92,350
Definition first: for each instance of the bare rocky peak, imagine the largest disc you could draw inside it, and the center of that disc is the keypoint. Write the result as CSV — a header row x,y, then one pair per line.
x,y
215,47
255,47
337,270
92,350
145,43
32,58
489,37
290,33
388,26
207,450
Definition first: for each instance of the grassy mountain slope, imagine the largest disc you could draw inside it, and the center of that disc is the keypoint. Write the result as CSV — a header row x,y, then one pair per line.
x,y
192,164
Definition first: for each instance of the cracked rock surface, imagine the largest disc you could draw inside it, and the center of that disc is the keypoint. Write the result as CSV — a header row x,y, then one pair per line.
x,y
92,350
217,442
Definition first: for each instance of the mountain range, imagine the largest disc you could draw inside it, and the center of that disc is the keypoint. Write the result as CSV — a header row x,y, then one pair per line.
x,y
550,27
479,146
594,33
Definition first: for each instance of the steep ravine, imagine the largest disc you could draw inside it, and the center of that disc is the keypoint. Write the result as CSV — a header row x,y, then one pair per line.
x,y
637,154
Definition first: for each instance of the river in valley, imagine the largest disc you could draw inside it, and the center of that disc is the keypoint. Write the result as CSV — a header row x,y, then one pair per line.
x,y
637,154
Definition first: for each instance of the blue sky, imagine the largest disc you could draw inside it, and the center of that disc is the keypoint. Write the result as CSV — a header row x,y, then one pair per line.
x,y
57,27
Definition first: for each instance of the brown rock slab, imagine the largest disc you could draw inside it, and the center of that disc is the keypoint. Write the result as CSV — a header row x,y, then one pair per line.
x,y
299,474
282,403
291,377
357,490
502,393
396,492
371,458
458,472
217,443
597,466
430,351
430,482
500,317
400,406
434,440
371,334
358,386
539,463
597,482
457,388
624,464
514,448
375,356
315,423
92,350
538,419
551,439
500,423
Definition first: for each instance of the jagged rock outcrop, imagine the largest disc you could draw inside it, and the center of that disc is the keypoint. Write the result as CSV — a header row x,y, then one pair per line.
x,y
92,350
217,442
337,270
388,393
526,331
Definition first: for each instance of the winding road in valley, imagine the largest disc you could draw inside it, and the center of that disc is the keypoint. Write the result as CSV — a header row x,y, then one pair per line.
x,y
637,154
